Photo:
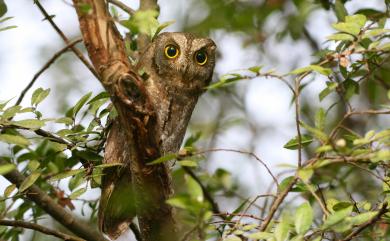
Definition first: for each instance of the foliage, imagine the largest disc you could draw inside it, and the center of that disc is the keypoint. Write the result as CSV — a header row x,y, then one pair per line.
x,y
338,152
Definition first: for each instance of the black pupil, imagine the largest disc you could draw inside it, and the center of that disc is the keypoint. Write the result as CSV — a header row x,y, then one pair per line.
x,y
200,57
171,51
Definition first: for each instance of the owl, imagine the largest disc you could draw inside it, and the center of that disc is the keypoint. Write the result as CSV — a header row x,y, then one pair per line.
x,y
176,68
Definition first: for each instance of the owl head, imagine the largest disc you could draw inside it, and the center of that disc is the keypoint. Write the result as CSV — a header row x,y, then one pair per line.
x,y
182,61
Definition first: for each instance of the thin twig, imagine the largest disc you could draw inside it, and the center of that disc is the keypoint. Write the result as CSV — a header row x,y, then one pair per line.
x,y
357,231
122,6
52,208
43,133
188,233
39,228
245,211
298,115
78,53
276,203
242,152
319,200
45,67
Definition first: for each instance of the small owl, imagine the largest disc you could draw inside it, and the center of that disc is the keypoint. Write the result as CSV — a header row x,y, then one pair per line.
x,y
176,68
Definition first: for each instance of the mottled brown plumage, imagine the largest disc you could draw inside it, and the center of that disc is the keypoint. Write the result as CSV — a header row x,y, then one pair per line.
x,y
174,85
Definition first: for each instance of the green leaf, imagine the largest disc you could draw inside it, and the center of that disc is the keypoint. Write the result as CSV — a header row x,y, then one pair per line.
x,y
65,120
72,112
7,28
39,95
29,123
285,183
101,95
303,218
29,181
188,163
331,86
33,165
249,227
9,190
298,238
260,235
305,174
5,19
319,121
282,229
109,165
363,218
358,19
316,68
340,10
179,202
66,174
320,135
162,26
351,88
85,8
3,8
375,32
77,193
337,217
255,69
162,159
143,22
341,37
384,47
3,104
293,144
13,139
232,238
351,28
194,189
6,168
226,80
11,111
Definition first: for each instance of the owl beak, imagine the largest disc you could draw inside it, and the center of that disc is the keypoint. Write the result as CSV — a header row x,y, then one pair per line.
x,y
184,69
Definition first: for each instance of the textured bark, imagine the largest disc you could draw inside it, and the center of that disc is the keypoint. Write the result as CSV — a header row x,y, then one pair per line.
x,y
44,201
136,143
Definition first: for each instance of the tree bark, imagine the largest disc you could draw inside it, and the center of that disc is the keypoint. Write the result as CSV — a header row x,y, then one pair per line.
x,y
137,119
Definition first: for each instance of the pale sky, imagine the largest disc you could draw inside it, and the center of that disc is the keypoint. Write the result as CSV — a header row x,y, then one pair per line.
x,y
266,100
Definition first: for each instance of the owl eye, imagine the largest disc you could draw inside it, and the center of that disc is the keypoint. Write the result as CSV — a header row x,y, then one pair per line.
x,y
171,51
201,57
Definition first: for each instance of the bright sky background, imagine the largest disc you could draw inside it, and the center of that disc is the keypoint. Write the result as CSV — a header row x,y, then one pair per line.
x,y
22,52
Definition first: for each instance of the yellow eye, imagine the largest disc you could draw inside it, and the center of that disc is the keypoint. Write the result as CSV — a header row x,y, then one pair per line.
x,y
171,51
201,57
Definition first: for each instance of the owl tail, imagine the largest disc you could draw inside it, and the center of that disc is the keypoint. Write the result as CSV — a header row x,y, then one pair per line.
x,y
116,208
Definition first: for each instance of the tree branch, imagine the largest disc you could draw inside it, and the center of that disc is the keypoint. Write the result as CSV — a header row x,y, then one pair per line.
x,y
122,6
45,67
139,144
276,203
44,201
381,212
39,228
78,53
